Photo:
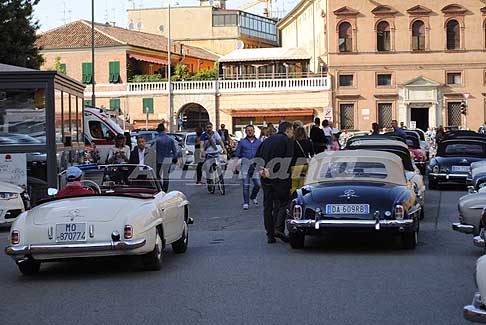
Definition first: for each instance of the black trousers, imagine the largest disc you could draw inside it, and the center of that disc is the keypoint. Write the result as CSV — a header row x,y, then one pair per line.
x,y
199,171
164,170
275,205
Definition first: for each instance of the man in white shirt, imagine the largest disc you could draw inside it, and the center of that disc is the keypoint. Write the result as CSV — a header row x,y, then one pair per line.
x,y
138,154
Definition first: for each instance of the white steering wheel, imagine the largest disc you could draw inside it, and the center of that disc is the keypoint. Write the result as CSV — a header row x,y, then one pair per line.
x,y
92,186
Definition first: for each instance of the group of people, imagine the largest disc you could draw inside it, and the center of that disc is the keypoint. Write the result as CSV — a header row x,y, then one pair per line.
x,y
325,138
277,163
166,153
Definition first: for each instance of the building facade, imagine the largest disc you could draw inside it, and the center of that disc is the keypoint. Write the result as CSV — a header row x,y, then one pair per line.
x,y
414,61
210,26
123,57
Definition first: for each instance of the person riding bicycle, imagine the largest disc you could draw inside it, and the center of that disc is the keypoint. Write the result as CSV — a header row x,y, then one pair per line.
x,y
209,145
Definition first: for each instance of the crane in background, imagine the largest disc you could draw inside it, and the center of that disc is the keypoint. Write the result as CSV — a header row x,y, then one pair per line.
x,y
267,11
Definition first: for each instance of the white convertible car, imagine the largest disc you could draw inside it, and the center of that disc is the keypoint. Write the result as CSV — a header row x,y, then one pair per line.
x,y
476,311
127,214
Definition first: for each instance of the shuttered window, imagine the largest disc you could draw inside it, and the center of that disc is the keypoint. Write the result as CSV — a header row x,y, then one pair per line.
x,y
62,68
87,73
148,105
346,113
454,114
114,72
115,105
384,115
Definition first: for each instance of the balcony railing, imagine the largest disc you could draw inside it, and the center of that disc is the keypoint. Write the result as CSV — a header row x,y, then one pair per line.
x,y
232,86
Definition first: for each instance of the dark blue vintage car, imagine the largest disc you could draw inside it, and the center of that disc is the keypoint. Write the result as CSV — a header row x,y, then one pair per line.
x,y
453,160
355,190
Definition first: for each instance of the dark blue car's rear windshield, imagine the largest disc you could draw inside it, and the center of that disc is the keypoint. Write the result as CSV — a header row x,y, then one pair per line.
x,y
464,149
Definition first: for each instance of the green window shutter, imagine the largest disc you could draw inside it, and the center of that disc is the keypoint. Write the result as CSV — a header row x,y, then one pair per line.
x,y
114,74
88,102
62,68
115,104
87,73
148,103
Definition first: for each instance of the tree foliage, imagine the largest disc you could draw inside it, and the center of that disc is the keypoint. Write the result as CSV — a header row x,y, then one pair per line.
x,y
18,34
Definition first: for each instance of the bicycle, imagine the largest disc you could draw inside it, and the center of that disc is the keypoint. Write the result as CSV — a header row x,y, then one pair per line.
x,y
215,177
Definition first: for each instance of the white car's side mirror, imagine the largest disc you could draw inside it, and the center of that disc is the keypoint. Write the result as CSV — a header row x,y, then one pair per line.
x,y
51,191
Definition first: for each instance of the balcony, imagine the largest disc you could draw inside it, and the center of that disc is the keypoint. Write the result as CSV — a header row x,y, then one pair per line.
x,y
232,86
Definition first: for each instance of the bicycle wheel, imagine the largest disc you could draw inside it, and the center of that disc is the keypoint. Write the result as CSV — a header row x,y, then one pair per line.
x,y
212,183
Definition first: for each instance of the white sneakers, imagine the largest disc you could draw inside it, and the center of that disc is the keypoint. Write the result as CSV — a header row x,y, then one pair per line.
x,y
245,206
255,202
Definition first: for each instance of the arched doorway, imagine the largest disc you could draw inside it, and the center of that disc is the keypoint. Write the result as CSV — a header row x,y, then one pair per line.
x,y
191,116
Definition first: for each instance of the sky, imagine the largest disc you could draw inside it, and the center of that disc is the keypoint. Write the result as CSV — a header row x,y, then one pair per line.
x,y
54,13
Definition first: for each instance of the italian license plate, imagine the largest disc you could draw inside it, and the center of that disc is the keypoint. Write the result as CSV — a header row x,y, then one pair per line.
x,y
70,232
462,169
347,208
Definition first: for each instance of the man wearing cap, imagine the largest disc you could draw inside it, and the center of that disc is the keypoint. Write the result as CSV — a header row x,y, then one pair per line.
x,y
73,186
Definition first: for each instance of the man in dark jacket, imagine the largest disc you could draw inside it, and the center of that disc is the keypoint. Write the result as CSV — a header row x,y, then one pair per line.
x,y
317,137
224,134
138,154
276,154
166,155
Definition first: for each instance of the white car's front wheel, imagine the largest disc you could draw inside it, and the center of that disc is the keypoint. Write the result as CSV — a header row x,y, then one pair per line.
x,y
29,266
153,261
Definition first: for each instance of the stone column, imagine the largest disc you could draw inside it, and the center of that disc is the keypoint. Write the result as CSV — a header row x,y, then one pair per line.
x,y
433,115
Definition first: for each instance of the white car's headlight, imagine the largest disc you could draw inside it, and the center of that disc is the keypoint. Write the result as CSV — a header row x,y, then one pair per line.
x,y
8,195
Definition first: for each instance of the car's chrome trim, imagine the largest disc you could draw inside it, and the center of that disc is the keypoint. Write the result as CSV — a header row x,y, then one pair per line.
x,y
310,223
464,228
448,175
475,312
478,241
85,247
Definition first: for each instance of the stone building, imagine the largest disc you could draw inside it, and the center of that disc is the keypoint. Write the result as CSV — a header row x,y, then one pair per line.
x,y
414,61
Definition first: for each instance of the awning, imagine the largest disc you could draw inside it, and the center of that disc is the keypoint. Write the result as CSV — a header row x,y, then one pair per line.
x,y
273,112
147,58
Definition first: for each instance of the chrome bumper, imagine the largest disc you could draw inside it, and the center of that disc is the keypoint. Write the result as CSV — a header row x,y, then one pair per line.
x,y
475,312
461,177
478,241
310,223
122,245
465,229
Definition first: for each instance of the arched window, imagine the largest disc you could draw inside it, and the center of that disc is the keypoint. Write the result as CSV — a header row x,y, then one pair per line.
x,y
453,35
418,36
345,37
383,37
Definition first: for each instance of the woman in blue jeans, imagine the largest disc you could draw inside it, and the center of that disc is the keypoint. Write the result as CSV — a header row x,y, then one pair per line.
x,y
246,152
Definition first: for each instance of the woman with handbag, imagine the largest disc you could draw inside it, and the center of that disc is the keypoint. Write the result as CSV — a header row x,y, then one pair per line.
x,y
303,151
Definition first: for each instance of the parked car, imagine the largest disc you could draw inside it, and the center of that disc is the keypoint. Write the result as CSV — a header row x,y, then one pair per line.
x,y
401,150
476,311
453,160
419,155
355,190
13,201
128,214
477,176
471,207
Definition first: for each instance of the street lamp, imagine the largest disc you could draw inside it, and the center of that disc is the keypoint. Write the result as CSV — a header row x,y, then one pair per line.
x,y
93,96
169,81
